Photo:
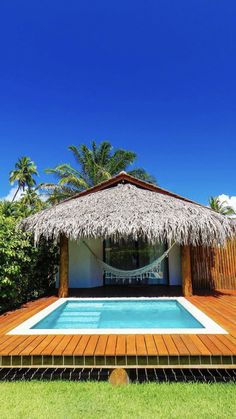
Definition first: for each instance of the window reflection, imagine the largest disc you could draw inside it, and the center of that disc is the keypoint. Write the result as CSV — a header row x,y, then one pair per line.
x,y
129,255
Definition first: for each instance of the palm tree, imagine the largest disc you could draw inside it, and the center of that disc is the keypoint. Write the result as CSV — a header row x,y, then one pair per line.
x,y
220,206
95,165
23,174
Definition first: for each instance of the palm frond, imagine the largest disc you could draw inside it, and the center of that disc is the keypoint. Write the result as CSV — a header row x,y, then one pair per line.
x,y
143,175
96,164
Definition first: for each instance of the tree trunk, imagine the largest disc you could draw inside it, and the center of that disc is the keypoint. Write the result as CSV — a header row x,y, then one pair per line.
x,y
14,197
64,267
186,271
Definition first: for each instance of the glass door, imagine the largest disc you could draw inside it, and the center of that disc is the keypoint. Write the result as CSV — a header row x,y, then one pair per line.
x,y
129,255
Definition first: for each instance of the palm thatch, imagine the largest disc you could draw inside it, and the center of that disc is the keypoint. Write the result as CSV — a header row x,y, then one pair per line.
x,y
127,211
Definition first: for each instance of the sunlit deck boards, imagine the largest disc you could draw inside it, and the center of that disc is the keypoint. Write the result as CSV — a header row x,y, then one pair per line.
x,y
132,350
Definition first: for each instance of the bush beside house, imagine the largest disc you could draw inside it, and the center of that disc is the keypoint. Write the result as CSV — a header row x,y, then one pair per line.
x,y
26,272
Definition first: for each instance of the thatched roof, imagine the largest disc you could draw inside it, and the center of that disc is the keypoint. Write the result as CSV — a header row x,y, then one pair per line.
x,y
128,210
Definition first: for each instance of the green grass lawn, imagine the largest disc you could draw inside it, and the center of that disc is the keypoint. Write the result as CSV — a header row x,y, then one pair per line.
x,y
94,400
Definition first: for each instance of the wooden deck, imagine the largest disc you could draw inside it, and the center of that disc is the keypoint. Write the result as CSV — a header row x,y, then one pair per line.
x,y
126,350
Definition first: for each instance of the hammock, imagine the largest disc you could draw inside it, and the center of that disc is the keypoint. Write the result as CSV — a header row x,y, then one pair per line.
x,y
120,273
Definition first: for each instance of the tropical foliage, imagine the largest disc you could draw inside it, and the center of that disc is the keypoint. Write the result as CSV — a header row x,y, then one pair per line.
x,y
220,206
25,271
95,165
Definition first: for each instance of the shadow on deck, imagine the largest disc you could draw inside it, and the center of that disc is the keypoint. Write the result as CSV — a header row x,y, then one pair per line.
x,y
141,291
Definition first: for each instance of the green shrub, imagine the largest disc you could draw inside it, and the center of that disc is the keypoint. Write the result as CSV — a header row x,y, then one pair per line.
x,y
26,272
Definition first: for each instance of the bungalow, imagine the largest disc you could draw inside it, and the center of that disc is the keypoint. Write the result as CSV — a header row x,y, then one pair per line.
x,y
125,231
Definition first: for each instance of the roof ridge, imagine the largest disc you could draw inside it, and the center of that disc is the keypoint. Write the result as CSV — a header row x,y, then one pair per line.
x,y
123,176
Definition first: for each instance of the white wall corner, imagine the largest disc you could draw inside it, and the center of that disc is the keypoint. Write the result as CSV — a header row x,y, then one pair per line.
x,y
84,270
175,276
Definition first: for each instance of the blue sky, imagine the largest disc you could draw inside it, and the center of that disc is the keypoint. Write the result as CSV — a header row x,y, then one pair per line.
x,y
156,77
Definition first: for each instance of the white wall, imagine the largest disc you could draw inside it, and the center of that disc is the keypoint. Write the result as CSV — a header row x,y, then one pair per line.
x,y
84,271
175,276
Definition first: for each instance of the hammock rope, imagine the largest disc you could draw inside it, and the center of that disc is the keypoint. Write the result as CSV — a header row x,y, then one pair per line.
x,y
120,273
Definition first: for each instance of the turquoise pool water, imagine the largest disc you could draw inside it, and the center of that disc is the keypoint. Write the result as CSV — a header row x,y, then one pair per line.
x,y
119,314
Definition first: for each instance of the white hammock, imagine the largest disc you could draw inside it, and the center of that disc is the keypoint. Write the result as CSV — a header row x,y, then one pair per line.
x,y
120,273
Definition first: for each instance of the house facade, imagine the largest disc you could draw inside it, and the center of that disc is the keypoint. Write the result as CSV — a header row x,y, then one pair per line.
x,y
128,232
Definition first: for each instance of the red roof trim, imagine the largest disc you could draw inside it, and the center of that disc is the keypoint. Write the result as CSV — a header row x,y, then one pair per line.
x,y
124,177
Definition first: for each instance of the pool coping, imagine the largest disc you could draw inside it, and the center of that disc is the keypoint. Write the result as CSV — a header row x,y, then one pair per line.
x,y
210,326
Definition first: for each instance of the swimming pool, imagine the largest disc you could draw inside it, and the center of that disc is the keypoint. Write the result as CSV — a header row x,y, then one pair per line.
x,y
119,315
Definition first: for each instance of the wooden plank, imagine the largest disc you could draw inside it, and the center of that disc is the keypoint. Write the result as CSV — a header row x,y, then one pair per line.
x,y
140,345
70,348
43,344
11,344
183,350
210,344
186,271
131,345
220,344
160,345
80,348
228,343
30,347
121,345
101,345
64,267
214,268
57,345
22,345
3,340
202,349
170,345
150,345
91,345
111,345
190,345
